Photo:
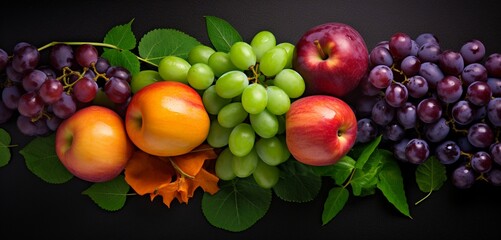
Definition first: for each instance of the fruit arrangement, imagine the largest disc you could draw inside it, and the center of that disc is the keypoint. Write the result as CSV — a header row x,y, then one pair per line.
x,y
243,120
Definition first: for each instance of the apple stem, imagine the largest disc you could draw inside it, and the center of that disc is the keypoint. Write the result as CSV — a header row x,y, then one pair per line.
x,y
320,50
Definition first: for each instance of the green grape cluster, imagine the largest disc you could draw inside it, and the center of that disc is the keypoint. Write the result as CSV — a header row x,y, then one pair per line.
x,y
247,91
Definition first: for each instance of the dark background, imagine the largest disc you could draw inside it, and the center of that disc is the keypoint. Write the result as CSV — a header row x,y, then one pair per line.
x,y
30,207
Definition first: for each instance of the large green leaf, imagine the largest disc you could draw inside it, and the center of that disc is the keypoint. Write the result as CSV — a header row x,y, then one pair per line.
x,y
159,43
221,33
121,36
335,202
339,171
298,182
110,195
41,159
238,204
430,176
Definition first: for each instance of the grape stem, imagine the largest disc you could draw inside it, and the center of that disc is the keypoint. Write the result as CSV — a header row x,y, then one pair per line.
x,y
97,44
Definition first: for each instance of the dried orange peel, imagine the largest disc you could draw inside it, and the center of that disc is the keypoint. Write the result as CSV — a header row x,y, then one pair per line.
x,y
172,177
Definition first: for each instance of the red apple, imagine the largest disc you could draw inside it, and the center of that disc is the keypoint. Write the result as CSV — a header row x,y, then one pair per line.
x,y
167,118
320,129
93,145
332,58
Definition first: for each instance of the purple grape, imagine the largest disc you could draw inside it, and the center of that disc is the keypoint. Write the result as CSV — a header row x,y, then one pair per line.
x,y
117,90
364,105
367,88
472,51
449,89
480,135
493,65
86,55
494,177
415,48
30,105
481,162
410,65
396,94
61,56
417,151
448,152
49,71
85,90
380,56
451,62
429,110
53,123
380,76
463,177
423,38
119,72
33,80
495,151
64,107
432,73
494,112
51,91
463,112
400,45
479,93
437,131
11,95
367,130
102,65
473,72
407,115
495,85
393,132
12,74
417,86
26,58
4,58
429,52
382,113
399,149
31,128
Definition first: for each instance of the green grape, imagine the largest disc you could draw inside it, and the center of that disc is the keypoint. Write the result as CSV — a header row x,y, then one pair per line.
x,y
291,82
212,101
254,98
220,63
218,135
244,166
231,84
223,166
242,56
270,150
241,140
143,79
273,61
265,123
200,76
286,151
174,68
266,176
278,101
200,54
289,48
262,42
231,115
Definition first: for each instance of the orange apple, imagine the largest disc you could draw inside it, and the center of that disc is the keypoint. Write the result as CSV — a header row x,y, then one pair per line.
x,y
93,145
167,118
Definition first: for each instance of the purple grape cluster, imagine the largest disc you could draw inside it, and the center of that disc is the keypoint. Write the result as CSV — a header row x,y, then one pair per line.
x,y
428,101
41,95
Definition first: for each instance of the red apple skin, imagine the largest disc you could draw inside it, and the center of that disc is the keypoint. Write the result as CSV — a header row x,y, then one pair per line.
x,y
320,129
93,145
345,60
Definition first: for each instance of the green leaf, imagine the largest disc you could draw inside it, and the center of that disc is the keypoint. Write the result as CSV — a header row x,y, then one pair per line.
x,y
298,182
121,36
366,152
364,180
336,200
124,58
430,176
159,43
238,204
339,171
41,159
110,195
221,33
391,182
4,147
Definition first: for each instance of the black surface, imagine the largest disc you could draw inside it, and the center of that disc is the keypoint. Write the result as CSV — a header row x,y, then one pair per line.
x,y
30,207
